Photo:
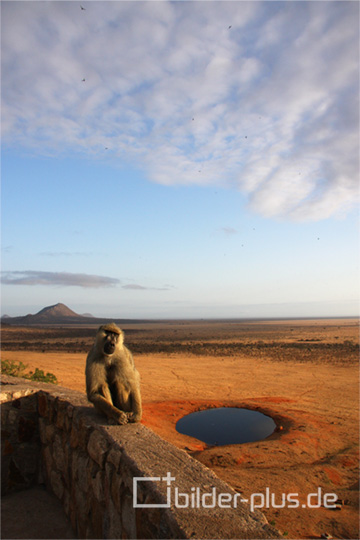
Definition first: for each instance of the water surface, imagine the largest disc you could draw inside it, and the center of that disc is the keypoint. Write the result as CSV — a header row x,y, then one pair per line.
x,y
226,425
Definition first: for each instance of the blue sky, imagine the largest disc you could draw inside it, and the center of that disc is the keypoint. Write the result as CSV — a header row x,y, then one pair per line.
x,y
180,159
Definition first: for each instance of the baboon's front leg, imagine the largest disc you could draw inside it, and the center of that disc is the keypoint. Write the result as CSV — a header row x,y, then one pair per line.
x,y
128,401
136,413
106,407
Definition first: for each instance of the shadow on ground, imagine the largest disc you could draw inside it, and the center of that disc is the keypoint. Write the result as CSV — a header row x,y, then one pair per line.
x,y
33,513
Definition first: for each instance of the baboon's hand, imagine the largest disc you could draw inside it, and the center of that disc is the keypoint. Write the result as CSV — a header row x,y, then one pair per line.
x,y
121,418
132,417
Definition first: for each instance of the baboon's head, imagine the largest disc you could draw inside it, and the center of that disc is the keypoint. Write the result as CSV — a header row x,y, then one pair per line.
x,y
108,337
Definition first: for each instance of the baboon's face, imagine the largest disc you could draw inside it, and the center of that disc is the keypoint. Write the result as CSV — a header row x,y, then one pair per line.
x,y
110,341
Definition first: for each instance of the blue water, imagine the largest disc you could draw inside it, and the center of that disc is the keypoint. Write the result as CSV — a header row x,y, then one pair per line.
x,y
226,425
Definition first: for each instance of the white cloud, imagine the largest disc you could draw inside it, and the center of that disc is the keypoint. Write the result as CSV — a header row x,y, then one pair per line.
x,y
64,279
269,106
136,287
69,279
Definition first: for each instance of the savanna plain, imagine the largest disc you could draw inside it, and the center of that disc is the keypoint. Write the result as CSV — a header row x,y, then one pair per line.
x,y
303,373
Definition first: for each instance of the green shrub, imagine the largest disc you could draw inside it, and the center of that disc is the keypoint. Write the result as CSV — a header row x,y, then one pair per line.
x,y
9,367
39,375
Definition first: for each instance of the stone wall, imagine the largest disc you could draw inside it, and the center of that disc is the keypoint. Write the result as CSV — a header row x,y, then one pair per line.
x,y
52,435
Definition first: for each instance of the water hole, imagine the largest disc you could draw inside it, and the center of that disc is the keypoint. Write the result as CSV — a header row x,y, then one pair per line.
x,y
226,425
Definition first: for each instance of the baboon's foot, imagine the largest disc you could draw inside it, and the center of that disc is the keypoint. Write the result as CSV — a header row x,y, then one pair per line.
x,y
121,418
133,417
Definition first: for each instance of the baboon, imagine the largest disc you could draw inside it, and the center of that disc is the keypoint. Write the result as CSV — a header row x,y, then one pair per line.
x,y
112,382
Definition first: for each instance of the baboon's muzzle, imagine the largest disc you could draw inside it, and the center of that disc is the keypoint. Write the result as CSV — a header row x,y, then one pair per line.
x,y
109,347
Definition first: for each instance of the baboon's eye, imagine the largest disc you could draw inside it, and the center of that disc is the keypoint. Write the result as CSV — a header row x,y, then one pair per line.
x,y
111,335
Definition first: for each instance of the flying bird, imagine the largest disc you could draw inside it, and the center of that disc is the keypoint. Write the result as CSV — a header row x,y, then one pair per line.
x,y
229,27
82,80
82,8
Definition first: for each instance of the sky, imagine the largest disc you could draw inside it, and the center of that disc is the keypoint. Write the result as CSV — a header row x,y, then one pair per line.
x,y
179,159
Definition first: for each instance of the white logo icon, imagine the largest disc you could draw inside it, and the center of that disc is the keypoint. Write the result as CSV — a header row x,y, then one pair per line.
x,y
168,479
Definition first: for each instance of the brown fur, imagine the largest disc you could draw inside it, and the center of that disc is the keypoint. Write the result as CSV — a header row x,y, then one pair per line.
x,y
112,382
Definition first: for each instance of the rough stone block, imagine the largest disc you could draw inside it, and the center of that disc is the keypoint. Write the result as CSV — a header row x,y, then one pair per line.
x,y
4,413
47,461
73,512
85,429
42,426
146,528
68,455
82,525
12,417
98,447
114,457
80,463
6,448
28,403
17,395
16,403
66,502
51,411
27,457
112,523
58,453
70,411
60,418
97,516
82,501
98,486
27,429
116,488
74,436
15,478
50,432
57,484
128,518
42,404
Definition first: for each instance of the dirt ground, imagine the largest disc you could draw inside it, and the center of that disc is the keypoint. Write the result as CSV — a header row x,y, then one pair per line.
x,y
302,373
22,516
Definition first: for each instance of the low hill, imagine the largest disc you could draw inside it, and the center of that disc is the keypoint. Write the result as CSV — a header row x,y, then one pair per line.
x,y
58,310
56,315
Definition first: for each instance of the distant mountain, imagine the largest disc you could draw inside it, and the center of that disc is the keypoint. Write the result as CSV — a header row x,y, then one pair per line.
x,y
59,314
58,310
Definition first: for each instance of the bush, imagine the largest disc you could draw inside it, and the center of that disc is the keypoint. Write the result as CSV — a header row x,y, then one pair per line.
x,y
39,375
9,367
